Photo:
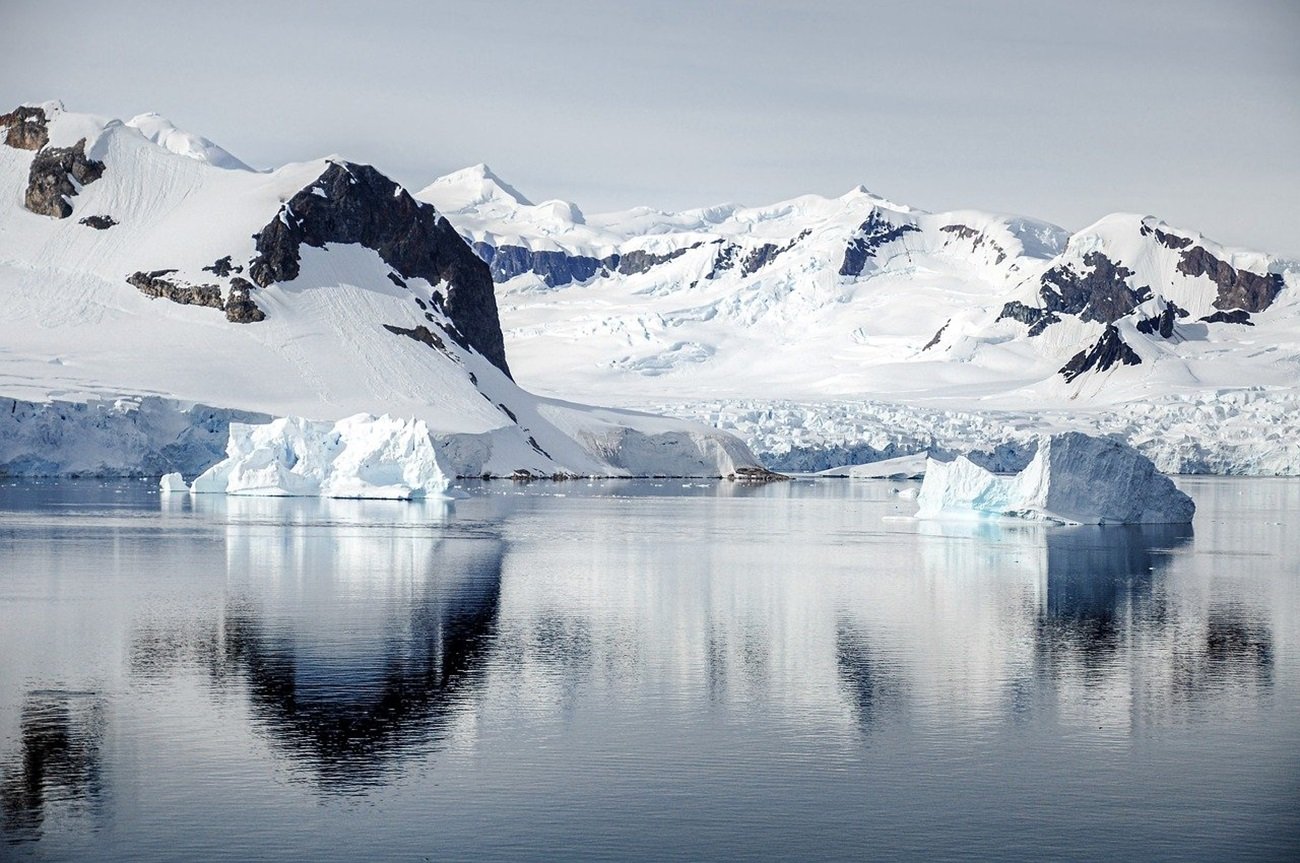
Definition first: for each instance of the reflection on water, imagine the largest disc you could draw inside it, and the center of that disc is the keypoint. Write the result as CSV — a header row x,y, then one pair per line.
x,y
356,650
354,646
56,768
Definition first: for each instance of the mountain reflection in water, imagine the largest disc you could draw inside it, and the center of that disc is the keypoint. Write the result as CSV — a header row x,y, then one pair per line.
x,y
537,659
57,765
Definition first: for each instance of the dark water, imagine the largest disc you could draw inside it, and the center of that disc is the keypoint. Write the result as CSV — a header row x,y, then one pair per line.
x,y
643,671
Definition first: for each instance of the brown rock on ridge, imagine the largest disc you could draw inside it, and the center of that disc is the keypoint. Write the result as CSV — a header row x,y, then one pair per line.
x,y
26,128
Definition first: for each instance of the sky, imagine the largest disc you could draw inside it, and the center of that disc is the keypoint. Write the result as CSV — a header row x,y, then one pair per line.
x,y
1184,109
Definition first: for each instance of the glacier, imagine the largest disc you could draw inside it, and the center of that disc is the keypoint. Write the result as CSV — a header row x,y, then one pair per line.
x,y
1073,478
361,456
1248,431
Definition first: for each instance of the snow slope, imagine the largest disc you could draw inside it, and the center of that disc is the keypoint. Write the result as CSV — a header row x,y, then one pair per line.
x,y
343,331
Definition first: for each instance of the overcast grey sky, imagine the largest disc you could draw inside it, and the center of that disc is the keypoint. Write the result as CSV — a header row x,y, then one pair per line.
x,y
1186,109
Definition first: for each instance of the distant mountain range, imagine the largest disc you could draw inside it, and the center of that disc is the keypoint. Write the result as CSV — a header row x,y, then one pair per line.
x,y
832,297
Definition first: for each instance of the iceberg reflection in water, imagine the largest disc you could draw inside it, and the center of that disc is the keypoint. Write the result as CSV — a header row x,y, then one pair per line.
x,y
640,670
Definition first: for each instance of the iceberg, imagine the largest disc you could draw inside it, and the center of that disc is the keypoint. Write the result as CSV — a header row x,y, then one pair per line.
x,y
362,456
1073,478
172,483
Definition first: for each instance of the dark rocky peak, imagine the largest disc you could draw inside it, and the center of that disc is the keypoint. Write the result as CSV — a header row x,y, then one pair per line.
x,y
351,203
1238,289
56,175
875,232
26,128
1109,351
1100,291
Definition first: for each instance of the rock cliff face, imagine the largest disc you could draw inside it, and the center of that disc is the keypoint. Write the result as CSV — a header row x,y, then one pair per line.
x,y
356,204
50,182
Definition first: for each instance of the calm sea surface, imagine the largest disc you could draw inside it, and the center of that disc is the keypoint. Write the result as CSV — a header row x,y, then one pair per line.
x,y
643,671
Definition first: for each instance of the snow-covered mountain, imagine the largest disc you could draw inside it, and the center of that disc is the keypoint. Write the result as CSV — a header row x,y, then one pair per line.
x,y
155,288
833,331
832,297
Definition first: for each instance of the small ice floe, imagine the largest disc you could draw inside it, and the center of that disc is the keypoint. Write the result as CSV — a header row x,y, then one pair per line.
x,y
1074,478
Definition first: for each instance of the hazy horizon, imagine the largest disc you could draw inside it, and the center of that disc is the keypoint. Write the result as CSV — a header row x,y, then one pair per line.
x,y
1065,112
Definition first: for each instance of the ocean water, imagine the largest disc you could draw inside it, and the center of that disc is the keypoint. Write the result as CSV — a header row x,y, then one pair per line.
x,y
643,671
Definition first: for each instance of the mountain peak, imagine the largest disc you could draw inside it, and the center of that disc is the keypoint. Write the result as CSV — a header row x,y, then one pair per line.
x,y
165,134
472,186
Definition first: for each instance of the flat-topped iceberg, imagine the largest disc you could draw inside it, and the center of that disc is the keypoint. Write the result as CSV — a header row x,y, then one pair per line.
x,y
362,456
1073,478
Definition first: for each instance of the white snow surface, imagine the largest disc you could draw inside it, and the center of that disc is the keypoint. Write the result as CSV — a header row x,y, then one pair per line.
x,y
98,378
1073,478
362,456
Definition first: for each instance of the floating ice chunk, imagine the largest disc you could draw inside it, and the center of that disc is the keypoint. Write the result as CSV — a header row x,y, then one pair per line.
x,y
1073,478
172,483
362,456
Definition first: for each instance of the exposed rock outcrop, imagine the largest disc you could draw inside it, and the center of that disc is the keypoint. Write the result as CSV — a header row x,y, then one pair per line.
x,y
26,128
223,267
639,260
1099,292
1110,350
1169,241
555,268
1037,319
1238,289
1163,323
154,286
57,173
99,223
240,308
356,204
978,238
1236,316
870,236
421,334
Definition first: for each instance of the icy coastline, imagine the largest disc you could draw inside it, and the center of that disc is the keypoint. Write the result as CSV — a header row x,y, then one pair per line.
x,y
1240,432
